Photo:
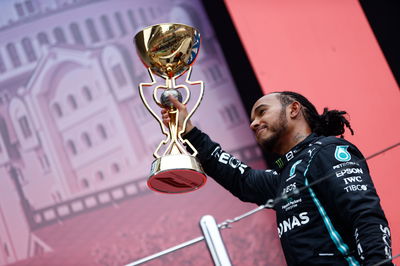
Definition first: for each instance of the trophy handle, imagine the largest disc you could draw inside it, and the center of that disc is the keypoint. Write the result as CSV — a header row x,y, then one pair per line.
x,y
164,131
193,110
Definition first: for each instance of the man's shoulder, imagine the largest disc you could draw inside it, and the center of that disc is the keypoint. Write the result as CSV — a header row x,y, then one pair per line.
x,y
337,145
332,140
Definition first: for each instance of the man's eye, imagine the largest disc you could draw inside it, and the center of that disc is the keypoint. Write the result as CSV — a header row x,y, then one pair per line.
x,y
263,111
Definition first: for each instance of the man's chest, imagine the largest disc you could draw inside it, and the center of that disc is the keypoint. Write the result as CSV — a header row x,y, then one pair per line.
x,y
295,208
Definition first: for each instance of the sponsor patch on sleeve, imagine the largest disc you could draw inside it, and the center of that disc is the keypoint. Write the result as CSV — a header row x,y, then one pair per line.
x,y
341,154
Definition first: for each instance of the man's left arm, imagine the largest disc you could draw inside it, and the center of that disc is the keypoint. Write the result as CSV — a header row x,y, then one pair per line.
x,y
350,195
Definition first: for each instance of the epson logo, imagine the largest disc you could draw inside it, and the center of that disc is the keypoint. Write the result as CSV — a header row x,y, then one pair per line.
x,y
291,223
349,171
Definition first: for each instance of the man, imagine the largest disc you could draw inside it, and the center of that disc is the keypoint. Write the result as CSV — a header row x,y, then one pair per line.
x,y
338,221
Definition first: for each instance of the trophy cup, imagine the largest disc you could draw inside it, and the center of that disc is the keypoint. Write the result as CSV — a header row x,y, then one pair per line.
x,y
168,50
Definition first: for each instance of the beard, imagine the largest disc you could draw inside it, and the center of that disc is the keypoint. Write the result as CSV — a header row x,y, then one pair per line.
x,y
277,129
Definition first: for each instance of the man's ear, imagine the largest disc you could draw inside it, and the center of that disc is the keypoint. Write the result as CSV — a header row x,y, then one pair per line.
x,y
295,109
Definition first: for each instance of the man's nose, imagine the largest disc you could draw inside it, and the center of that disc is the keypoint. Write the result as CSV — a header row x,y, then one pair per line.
x,y
254,125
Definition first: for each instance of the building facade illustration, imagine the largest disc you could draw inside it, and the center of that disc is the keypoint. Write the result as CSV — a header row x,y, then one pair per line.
x,y
74,134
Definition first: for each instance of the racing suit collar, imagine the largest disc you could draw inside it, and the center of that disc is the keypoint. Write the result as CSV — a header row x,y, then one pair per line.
x,y
282,161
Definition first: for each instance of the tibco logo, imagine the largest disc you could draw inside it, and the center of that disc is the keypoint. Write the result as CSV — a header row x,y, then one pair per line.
x,y
356,188
291,223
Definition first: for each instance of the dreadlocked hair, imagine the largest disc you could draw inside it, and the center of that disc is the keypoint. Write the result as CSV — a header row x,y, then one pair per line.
x,y
329,123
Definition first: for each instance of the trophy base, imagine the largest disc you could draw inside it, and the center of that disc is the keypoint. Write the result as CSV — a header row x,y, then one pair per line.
x,y
178,173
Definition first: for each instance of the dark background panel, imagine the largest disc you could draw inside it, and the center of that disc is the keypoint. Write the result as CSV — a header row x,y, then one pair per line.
x,y
384,19
238,62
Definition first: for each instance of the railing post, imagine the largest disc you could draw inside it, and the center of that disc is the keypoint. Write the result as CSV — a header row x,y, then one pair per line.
x,y
214,241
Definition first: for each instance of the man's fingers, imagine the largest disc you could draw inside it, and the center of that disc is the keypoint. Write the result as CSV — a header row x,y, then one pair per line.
x,y
178,105
166,122
165,116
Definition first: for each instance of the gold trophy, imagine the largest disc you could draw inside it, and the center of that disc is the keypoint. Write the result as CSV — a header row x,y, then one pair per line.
x,y
168,50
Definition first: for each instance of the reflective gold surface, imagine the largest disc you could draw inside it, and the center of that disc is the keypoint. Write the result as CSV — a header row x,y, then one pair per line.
x,y
168,49
176,173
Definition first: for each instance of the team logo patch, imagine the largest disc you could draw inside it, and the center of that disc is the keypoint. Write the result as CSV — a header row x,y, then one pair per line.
x,y
341,154
293,169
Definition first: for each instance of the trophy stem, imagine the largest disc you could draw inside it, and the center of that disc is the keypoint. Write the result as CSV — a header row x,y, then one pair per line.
x,y
170,83
175,147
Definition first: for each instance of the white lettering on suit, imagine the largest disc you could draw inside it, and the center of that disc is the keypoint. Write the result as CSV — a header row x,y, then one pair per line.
x,y
352,179
349,171
228,159
290,223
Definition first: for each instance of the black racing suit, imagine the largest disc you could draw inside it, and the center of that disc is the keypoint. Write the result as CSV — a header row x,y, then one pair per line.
x,y
338,221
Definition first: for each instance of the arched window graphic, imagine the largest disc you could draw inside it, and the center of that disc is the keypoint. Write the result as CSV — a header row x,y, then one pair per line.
x,y
20,10
86,139
59,196
13,54
87,93
24,126
102,131
57,110
6,251
120,22
119,75
22,123
29,6
76,33
107,26
85,183
28,48
2,65
71,147
100,176
115,168
153,12
143,16
216,73
72,102
7,96
42,38
59,35
94,36
132,19
231,115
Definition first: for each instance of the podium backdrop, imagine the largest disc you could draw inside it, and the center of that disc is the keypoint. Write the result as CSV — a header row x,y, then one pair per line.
x,y
76,142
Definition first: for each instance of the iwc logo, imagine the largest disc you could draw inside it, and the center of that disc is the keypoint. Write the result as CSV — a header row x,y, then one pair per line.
x,y
341,154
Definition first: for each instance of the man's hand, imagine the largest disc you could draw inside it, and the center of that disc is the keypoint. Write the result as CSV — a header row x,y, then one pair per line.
x,y
183,113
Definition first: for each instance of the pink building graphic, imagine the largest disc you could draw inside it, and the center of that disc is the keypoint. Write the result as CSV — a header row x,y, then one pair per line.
x,y
74,135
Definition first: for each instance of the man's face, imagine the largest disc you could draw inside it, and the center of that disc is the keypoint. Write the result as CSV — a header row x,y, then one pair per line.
x,y
269,121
